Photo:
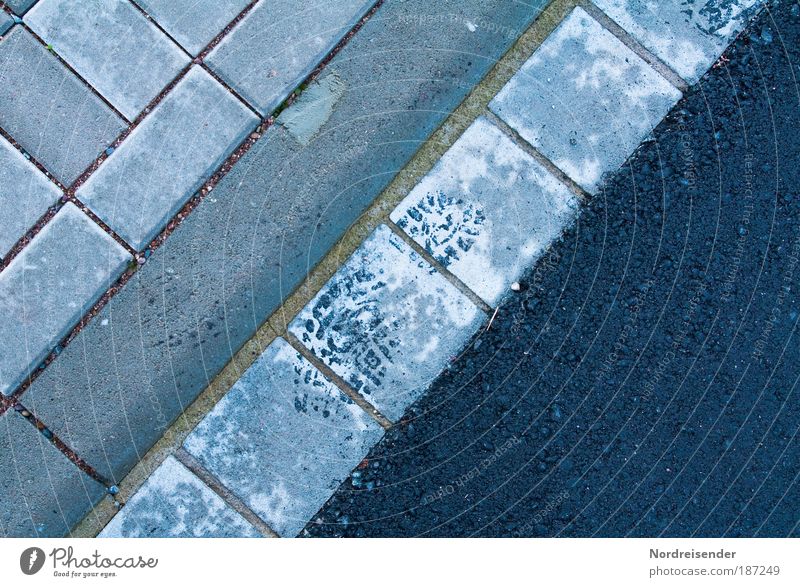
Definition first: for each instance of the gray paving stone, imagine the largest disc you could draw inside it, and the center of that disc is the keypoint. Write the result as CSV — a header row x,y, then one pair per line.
x,y
48,111
584,100
112,46
193,23
688,36
25,195
6,22
49,286
387,323
205,291
486,211
41,492
167,157
283,439
175,503
19,7
279,43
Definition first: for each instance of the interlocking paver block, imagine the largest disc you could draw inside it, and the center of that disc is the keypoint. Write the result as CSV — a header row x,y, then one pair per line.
x,y
25,195
20,6
688,36
167,157
585,100
6,22
112,46
47,288
49,111
486,211
41,492
193,23
387,322
279,43
175,503
283,439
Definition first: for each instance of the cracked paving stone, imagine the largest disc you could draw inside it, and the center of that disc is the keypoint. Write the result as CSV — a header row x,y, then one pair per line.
x,y
49,111
112,46
486,211
585,100
46,289
25,195
175,503
689,37
387,323
283,438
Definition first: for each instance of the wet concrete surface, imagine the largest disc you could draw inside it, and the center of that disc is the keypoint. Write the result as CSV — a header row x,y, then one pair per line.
x,y
644,382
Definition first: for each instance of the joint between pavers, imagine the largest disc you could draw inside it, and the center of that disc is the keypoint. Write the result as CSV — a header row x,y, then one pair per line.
x,y
226,31
233,92
540,158
343,386
441,269
626,39
223,492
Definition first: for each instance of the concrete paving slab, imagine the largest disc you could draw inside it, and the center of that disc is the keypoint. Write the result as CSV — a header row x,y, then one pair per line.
x,y
167,157
193,23
283,438
279,43
387,323
6,22
25,195
205,291
48,111
19,7
585,100
174,503
47,288
689,37
41,492
486,211
112,46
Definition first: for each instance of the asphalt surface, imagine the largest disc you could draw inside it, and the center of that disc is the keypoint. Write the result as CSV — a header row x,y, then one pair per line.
x,y
644,383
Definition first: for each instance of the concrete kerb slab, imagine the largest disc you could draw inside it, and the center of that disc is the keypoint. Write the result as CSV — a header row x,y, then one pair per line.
x,y
378,212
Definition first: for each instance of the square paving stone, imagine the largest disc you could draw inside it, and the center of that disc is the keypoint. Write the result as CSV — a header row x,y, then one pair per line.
x,y
585,100
25,195
19,7
175,503
42,493
387,323
283,438
6,22
112,46
486,211
167,157
193,23
279,43
49,111
48,286
687,36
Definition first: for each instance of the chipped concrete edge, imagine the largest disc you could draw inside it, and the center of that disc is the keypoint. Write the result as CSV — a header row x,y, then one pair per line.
x,y
473,106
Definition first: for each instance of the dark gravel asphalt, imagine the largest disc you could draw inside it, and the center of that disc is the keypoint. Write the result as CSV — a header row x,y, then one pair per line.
x,y
645,382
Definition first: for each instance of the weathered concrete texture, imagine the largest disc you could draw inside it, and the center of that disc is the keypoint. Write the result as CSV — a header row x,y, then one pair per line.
x,y
155,346
25,194
19,7
112,46
49,286
48,111
174,503
387,323
585,100
6,22
167,157
41,492
486,211
193,23
279,43
687,36
283,438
